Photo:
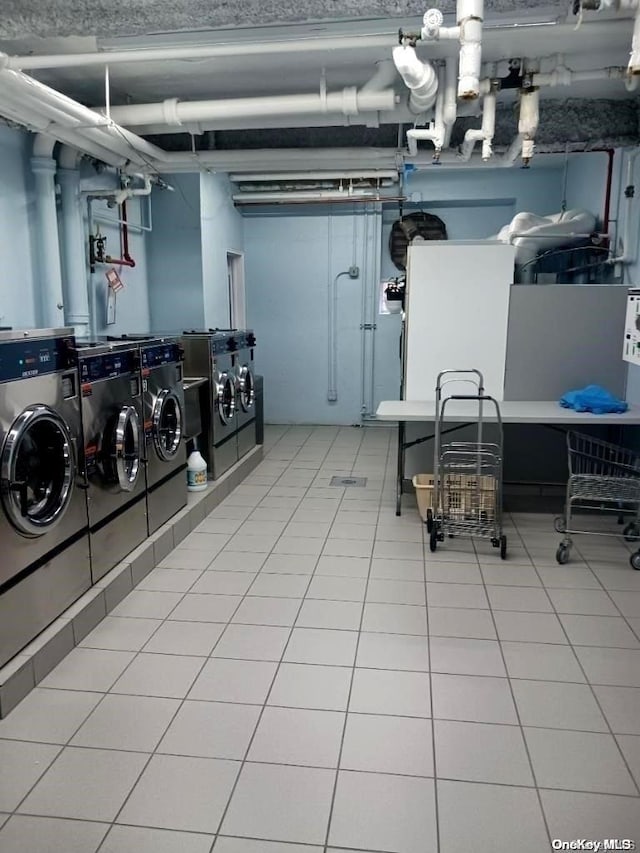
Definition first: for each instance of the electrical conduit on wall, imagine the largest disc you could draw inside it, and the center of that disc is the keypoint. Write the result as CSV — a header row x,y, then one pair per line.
x,y
76,296
47,248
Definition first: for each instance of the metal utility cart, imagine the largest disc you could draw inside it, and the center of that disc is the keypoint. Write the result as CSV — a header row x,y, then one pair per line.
x,y
467,475
603,477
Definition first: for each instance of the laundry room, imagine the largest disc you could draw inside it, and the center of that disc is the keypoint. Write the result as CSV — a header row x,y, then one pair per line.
x,y
319,426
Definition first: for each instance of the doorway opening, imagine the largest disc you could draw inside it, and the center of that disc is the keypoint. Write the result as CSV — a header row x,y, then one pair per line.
x,y
235,277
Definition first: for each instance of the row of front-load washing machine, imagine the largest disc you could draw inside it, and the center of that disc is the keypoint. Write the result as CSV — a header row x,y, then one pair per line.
x,y
92,459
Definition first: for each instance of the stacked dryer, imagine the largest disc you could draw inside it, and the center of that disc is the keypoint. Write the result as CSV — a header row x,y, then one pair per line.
x,y
44,545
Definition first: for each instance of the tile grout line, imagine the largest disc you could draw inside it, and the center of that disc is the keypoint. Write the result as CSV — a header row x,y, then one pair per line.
x,y
334,791
259,719
433,722
517,713
182,701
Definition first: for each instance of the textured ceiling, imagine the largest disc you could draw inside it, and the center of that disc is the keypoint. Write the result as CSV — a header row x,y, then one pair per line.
x,y
112,18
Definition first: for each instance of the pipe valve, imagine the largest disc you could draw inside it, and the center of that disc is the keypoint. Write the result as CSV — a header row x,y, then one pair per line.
x,y
432,21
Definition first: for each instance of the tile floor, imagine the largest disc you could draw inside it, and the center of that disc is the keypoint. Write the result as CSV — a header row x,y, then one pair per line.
x,y
301,676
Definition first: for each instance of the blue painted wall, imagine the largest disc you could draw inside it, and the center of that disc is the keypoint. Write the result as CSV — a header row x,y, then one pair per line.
x,y
290,260
291,256
17,276
175,262
222,231
132,303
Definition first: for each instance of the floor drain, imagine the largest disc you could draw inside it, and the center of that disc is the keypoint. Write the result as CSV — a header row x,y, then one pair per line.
x,y
360,482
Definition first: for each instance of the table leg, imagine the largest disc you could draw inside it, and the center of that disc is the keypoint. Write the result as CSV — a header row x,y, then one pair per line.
x,y
400,471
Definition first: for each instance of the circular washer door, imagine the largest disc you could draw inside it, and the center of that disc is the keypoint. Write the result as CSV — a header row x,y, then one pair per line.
x,y
37,471
121,449
246,388
167,425
226,398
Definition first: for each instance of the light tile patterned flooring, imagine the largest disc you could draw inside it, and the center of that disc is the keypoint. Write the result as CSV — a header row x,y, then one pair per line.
x,y
302,675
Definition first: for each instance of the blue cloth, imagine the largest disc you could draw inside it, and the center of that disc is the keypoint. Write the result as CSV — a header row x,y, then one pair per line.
x,y
594,399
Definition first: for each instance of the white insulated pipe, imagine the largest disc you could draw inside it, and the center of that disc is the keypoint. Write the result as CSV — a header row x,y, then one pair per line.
x,y
419,77
562,76
76,295
74,120
528,122
483,134
211,51
43,168
450,99
470,16
513,152
436,130
173,112
384,76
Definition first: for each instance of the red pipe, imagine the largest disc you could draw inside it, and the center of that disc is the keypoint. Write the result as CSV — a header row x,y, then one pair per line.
x,y
126,260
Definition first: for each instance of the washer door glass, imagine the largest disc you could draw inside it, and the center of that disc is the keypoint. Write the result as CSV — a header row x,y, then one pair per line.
x,y
121,456
246,389
37,471
167,425
226,398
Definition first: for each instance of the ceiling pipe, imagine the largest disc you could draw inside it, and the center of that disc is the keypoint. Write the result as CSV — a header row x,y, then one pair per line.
x,y
43,168
470,16
384,76
484,134
76,295
469,20
563,76
300,44
450,101
211,51
24,113
174,113
513,152
436,130
353,175
419,77
623,6
74,120
528,122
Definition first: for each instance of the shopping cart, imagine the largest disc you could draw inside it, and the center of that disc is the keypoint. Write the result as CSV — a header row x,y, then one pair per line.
x,y
602,477
467,475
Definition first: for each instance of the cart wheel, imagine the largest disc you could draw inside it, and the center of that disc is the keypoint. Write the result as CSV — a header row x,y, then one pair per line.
x,y
634,559
631,532
429,520
560,524
562,554
503,547
433,540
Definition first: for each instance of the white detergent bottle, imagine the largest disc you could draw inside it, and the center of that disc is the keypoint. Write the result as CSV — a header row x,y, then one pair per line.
x,y
196,472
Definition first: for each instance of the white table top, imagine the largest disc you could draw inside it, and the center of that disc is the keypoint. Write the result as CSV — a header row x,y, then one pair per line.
x,y
512,411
